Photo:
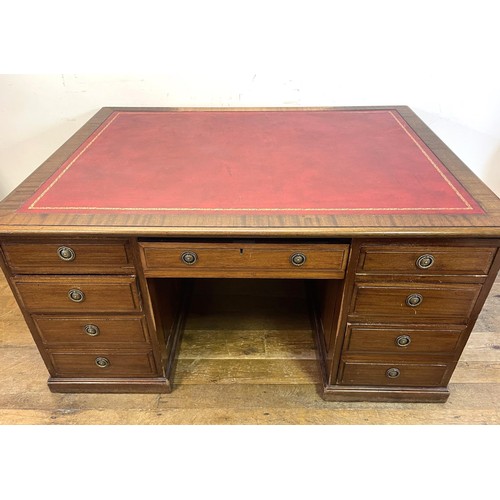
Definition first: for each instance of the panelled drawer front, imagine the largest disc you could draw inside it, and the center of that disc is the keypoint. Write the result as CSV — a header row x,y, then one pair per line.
x,y
68,257
391,339
378,302
243,259
91,330
100,294
408,374
404,259
102,363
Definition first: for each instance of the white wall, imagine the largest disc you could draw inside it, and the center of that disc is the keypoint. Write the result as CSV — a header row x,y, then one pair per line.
x,y
440,58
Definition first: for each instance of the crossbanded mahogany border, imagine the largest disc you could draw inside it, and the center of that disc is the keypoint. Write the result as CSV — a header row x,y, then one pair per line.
x,y
299,211
252,225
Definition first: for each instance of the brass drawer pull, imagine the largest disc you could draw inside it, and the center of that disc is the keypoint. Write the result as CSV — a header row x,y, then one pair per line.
x,y
392,373
76,295
102,362
92,330
298,259
403,340
189,258
66,253
425,261
414,300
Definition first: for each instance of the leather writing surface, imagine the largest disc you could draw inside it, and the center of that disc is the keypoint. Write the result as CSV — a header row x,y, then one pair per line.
x,y
311,162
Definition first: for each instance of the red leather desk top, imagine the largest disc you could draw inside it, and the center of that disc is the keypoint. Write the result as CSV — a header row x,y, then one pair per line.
x,y
290,162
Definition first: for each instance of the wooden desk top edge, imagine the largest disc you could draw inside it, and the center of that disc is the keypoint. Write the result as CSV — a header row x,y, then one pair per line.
x,y
294,226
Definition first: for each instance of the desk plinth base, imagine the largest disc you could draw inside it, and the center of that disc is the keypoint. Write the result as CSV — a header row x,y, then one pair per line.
x,y
117,385
385,395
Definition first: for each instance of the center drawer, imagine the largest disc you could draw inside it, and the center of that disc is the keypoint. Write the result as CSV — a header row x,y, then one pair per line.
x,y
78,294
245,260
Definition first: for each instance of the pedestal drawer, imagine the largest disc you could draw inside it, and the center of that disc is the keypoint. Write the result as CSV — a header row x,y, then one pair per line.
x,y
393,374
401,340
78,294
413,303
68,257
103,363
91,330
433,260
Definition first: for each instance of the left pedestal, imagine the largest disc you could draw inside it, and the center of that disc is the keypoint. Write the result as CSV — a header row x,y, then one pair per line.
x,y
90,313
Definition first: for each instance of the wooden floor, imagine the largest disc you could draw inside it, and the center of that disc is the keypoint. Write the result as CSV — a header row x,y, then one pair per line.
x,y
254,368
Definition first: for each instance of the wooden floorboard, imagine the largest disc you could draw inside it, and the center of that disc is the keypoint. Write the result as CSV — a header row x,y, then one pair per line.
x,y
255,368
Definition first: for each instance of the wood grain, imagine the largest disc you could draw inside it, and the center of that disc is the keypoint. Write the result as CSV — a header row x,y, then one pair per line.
x,y
419,375
271,342
102,294
387,302
250,225
25,398
362,338
70,331
401,259
121,363
244,260
41,257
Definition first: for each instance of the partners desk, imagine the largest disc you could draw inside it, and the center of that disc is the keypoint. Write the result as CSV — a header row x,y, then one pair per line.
x,y
394,237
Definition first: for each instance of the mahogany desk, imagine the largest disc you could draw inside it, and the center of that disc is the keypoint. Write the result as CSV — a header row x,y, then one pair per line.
x,y
395,237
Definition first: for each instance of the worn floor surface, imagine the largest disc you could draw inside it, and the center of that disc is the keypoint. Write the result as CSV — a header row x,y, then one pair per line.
x,y
257,368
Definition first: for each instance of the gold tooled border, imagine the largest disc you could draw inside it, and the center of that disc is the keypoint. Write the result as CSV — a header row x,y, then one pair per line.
x,y
212,209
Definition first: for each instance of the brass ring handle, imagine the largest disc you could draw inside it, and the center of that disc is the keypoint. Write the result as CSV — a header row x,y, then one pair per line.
x,y
92,330
76,295
414,300
425,261
403,340
298,259
102,362
189,258
66,253
392,373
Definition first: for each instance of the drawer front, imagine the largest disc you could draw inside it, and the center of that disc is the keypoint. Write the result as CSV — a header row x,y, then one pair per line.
x,y
392,303
98,294
91,330
402,259
364,338
99,364
68,257
393,374
244,260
